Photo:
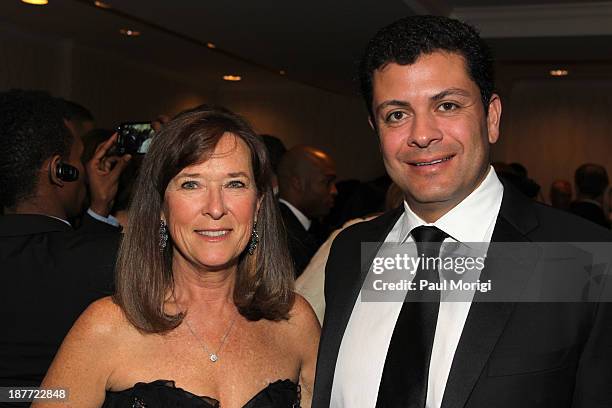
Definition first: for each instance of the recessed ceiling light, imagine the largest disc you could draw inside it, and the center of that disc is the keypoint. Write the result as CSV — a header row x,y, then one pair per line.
x,y
102,4
36,2
129,32
232,78
211,45
559,72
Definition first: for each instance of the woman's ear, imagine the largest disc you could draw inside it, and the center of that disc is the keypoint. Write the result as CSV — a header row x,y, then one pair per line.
x,y
258,206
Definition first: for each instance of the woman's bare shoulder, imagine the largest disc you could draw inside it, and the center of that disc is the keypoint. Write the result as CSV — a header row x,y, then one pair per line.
x,y
302,318
88,355
103,320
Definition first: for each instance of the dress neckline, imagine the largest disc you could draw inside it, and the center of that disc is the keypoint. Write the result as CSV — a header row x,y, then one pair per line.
x,y
214,403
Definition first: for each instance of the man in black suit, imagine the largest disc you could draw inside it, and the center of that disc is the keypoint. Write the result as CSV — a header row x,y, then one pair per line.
x,y
428,85
50,272
591,183
307,188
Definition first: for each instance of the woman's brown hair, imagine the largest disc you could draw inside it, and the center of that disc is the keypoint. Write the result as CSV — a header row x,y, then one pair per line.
x,y
264,281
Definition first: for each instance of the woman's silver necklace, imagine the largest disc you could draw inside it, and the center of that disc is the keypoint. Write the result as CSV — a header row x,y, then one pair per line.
x,y
214,356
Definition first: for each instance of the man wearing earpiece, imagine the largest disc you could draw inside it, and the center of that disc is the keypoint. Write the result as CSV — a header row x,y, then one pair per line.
x,y
49,272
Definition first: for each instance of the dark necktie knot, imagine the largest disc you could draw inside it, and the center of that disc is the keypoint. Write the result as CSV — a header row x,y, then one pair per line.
x,y
426,233
428,240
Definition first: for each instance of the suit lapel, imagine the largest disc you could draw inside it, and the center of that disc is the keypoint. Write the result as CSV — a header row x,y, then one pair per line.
x,y
377,232
486,320
340,306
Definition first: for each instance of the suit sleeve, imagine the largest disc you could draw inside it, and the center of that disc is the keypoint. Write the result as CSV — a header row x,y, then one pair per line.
x,y
594,376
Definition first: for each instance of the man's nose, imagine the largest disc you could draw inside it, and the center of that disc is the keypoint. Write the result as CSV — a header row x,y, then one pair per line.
x,y
424,130
333,190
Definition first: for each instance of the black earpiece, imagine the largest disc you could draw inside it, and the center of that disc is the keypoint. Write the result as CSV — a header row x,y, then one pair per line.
x,y
66,172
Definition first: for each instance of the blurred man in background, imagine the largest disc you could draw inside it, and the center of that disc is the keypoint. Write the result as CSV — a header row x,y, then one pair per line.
x,y
50,272
307,189
591,182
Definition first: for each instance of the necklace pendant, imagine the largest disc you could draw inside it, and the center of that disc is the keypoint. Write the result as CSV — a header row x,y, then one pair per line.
x,y
213,357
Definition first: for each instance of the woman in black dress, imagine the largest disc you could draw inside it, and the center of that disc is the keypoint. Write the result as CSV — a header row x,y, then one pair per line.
x,y
204,314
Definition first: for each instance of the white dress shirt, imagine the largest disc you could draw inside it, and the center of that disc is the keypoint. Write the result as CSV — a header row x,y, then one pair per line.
x,y
304,220
110,220
363,350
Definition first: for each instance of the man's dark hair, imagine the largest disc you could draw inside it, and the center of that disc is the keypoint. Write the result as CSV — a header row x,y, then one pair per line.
x,y
31,130
276,149
404,41
519,169
74,111
591,180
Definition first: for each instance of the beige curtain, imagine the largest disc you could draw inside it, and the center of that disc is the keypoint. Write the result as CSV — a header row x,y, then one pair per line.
x,y
553,126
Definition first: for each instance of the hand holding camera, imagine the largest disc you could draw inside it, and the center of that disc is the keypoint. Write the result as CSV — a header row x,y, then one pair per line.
x,y
104,171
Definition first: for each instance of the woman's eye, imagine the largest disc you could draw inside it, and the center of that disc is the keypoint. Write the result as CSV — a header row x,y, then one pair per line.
x,y
235,184
448,106
189,185
395,116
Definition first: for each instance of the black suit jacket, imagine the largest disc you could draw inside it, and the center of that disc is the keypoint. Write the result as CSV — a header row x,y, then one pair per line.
x,y
49,274
302,244
509,354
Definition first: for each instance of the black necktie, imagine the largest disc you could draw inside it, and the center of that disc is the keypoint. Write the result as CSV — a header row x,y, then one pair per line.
x,y
404,378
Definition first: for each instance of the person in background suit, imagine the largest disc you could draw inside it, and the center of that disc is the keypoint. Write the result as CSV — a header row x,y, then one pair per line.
x,y
428,85
561,194
591,182
50,272
307,189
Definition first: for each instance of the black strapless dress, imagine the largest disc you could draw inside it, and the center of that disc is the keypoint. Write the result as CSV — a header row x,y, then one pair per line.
x,y
164,394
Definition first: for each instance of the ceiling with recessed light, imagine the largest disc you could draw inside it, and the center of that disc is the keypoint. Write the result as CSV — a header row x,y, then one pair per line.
x,y
316,42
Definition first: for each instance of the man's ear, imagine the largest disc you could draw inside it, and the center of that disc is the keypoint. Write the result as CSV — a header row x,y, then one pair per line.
x,y
371,123
296,183
54,161
493,118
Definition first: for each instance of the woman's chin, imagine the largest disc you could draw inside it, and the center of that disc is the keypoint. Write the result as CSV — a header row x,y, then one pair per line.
x,y
213,265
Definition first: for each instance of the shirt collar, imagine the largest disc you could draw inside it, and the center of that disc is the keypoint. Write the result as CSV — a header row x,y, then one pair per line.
x,y
468,221
588,200
298,214
59,219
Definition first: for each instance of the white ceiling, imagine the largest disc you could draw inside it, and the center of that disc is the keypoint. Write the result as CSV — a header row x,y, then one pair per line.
x,y
315,42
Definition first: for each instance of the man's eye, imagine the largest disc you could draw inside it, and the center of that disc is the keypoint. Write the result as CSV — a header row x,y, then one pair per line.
x,y
235,184
395,116
448,106
189,185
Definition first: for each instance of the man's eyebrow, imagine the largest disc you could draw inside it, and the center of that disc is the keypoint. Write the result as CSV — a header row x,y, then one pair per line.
x,y
449,92
392,102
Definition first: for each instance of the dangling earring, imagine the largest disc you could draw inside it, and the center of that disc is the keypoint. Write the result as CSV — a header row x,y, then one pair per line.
x,y
163,235
254,239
